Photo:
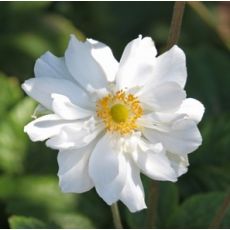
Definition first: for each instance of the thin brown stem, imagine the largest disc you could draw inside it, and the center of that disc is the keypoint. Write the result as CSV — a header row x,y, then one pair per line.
x,y
116,216
216,222
176,23
173,38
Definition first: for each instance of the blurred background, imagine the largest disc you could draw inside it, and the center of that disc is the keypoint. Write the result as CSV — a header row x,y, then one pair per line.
x,y
29,192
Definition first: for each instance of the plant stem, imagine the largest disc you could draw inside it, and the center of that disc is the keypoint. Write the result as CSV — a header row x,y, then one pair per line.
x,y
152,204
174,34
220,213
176,22
204,13
116,216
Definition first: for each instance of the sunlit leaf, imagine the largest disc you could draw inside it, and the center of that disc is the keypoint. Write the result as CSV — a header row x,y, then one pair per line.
x,y
31,44
16,112
22,222
73,220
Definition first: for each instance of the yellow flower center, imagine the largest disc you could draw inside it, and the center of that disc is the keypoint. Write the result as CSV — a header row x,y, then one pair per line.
x,y
119,112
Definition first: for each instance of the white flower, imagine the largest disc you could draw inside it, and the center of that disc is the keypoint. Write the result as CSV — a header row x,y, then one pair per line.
x,y
110,121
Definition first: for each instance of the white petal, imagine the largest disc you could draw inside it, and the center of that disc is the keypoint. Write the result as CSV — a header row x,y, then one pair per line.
x,y
107,168
171,66
44,127
73,169
164,97
159,120
132,194
179,163
104,57
78,135
193,108
41,90
48,65
182,138
63,107
153,162
82,65
137,63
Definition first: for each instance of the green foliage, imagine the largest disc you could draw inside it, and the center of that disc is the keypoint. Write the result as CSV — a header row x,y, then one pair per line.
x,y
198,211
22,222
168,202
16,112
74,220
44,201
136,220
210,166
29,193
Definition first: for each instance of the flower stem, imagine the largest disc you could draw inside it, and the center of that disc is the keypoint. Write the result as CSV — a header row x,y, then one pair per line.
x,y
176,22
116,216
174,34
220,213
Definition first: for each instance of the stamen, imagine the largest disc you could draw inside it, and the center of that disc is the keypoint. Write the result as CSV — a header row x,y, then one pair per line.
x,y
119,112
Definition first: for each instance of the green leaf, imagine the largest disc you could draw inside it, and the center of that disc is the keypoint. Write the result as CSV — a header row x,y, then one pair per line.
x,y
30,6
31,44
35,194
73,220
10,94
15,112
22,222
13,140
62,26
40,197
198,211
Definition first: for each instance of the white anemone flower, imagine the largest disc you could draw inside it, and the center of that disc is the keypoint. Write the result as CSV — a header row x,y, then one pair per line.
x,y
113,120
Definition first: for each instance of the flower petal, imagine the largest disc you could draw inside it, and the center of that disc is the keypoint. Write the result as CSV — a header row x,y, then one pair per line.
x,y
107,168
104,57
153,162
193,108
164,97
179,163
82,65
41,90
159,120
132,195
63,107
73,169
44,127
48,65
171,66
181,138
137,63
78,135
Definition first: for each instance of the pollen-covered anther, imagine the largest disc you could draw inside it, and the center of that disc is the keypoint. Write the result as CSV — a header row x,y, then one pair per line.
x,y
119,112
